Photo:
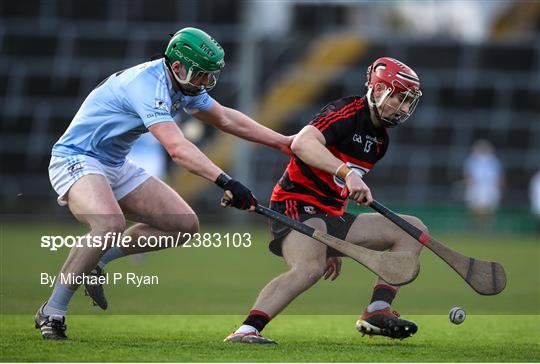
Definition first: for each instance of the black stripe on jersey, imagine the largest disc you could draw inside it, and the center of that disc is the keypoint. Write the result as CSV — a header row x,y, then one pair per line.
x,y
342,115
337,114
333,107
321,185
289,186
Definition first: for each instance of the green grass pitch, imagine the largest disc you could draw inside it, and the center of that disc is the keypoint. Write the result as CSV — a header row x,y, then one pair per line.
x,y
302,338
203,295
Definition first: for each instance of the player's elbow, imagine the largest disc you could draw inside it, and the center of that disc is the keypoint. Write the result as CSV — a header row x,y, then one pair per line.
x,y
307,141
224,122
223,119
177,153
298,146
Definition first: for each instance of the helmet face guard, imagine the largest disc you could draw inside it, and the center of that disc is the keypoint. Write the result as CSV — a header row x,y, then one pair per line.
x,y
197,81
408,101
202,58
400,82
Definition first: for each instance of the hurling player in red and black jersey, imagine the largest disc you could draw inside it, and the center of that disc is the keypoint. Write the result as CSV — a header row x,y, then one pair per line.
x,y
331,155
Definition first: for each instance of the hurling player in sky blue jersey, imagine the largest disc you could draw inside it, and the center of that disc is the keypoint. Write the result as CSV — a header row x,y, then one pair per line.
x,y
91,174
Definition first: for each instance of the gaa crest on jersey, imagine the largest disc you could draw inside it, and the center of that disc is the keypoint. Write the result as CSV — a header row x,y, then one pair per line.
x,y
161,105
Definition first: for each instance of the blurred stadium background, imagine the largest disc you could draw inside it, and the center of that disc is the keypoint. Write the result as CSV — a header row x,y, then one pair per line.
x,y
479,64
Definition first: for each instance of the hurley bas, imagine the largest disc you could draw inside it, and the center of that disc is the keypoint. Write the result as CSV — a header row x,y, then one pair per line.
x,y
129,278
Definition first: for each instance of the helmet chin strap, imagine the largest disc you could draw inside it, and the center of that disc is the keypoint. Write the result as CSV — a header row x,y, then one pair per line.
x,y
375,105
185,82
180,81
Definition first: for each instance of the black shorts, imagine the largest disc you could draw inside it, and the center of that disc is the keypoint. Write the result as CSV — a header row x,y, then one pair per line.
x,y
337,226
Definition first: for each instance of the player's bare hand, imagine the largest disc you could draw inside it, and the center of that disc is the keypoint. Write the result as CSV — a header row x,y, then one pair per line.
x,y
357,190
333,268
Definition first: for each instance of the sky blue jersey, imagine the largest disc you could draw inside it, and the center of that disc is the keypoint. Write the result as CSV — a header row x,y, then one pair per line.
x,y
122,108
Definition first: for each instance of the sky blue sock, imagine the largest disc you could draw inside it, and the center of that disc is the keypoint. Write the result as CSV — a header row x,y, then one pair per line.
x,y
58,302
113,253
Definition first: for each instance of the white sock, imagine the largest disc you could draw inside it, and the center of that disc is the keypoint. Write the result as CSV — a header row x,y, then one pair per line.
x,y
244,329
377,305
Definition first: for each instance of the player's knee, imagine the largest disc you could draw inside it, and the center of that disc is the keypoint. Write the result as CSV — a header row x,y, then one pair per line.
x,y
174,224
310,274
314,274
112,224
191,224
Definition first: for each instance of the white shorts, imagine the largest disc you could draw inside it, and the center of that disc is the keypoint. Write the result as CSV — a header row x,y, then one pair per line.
x,y
65,171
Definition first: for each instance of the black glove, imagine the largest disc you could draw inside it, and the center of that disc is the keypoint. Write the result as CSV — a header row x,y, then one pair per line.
x,y
242,198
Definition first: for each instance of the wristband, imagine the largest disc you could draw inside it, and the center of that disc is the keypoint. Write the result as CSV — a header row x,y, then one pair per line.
x,y
223,179
343,171
338,168
348,173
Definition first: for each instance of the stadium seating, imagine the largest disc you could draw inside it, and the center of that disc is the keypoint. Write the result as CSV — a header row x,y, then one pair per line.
x,y
55,52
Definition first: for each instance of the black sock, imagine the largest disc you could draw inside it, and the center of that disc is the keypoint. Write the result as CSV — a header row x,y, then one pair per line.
x,y
257,319
383,292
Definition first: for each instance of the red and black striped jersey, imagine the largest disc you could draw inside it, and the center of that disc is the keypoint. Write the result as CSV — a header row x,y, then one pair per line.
x,y
350,136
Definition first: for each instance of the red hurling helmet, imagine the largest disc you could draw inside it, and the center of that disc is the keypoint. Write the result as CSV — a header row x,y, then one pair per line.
x,y
398,78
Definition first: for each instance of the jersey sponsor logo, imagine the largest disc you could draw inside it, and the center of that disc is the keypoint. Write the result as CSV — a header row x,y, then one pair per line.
x,y
373,139
369,141
156,114
161,105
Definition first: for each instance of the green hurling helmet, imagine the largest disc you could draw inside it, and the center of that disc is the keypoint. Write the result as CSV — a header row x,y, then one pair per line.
x,y
200,54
